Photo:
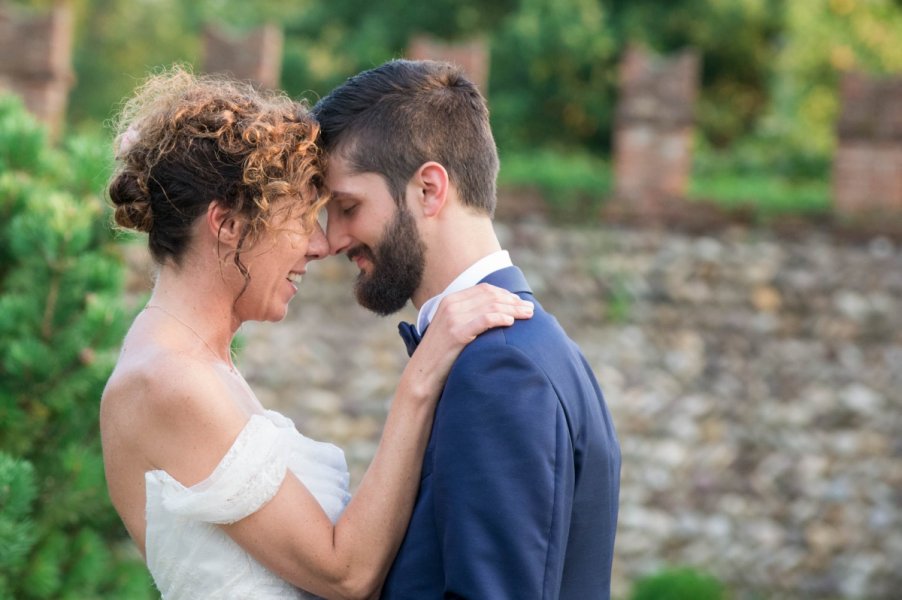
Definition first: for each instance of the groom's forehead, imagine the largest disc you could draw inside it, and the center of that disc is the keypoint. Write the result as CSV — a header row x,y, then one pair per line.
x,y
345,184
336,165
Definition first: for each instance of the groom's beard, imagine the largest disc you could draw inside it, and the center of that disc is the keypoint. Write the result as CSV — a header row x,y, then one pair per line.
x,y
397,266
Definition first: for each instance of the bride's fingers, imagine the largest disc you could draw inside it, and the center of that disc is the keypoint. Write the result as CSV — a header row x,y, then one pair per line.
x,y
464,319
481,298
467,330
481,293
479,317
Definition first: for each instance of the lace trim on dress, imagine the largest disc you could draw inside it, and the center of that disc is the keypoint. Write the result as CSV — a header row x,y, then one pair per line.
x,y
190,557
247,477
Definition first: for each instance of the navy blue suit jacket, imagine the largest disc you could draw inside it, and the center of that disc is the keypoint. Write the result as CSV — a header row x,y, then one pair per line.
x,y
521,477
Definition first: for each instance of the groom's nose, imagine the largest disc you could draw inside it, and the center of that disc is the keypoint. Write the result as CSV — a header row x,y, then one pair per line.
x,y
337,239
318,245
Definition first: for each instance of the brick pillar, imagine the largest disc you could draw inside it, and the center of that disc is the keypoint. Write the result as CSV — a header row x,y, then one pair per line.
x,y
867,167
36,60
653,129
472,56
255,56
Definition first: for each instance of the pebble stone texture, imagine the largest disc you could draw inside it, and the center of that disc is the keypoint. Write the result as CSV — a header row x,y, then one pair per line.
x,y
755,383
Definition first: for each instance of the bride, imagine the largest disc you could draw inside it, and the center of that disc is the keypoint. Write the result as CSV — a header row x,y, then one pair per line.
x,y
224,498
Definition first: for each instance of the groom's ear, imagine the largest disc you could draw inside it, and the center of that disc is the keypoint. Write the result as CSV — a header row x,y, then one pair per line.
x,y
430,183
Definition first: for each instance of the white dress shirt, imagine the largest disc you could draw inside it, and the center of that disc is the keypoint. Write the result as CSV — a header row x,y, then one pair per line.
x,y
475,273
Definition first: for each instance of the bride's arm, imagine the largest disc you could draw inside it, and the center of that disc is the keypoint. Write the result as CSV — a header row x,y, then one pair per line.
x,y
292,536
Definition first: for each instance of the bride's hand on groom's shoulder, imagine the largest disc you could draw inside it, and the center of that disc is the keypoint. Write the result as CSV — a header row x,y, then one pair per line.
x,y
460,318
463,315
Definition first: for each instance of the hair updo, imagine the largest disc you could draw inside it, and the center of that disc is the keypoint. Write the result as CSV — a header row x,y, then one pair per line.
x,y
184,141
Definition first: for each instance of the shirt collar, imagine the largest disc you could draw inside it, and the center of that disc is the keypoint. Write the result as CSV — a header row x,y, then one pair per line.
x,y
470,277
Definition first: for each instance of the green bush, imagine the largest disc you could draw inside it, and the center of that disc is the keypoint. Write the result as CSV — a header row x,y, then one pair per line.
x,y
771,183
61,321
822,39
574,184
17,535
552,74
767,65
678,584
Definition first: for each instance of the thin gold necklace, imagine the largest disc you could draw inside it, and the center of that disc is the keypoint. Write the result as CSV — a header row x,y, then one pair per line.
x,y
191,329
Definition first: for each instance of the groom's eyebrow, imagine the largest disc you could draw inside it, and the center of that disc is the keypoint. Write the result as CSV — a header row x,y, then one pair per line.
x,y
340,195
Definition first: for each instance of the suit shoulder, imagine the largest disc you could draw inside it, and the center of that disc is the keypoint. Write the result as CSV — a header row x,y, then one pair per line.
x,y
526,335
493,365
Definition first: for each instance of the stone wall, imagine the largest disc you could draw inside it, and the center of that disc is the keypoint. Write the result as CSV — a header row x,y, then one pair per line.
x,y
472,56
754,382
653,129
36,60
867,167
255,55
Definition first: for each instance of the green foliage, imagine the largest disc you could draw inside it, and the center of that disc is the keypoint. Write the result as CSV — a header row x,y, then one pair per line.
x,y
737,41
61,321
620,301
768,65
766,195
770,68
22,141
17,535
551,75
117,42
821,40
751,174
678,584
327,42
573,183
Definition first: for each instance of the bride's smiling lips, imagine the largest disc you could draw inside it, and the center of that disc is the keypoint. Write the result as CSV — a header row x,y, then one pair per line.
x,y
294,278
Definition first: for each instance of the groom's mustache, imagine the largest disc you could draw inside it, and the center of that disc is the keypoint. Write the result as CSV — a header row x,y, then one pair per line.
x,y
363,251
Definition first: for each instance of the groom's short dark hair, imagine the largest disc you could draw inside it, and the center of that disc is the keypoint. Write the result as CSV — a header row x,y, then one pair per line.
x,y
392,119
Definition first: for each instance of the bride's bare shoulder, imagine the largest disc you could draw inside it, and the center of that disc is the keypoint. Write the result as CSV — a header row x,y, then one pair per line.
x,y
162,409
153,383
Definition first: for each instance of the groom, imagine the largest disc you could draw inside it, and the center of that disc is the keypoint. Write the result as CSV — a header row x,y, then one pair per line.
x,y
519,491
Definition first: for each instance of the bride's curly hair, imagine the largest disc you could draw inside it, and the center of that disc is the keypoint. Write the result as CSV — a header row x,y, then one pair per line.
x,y
184,141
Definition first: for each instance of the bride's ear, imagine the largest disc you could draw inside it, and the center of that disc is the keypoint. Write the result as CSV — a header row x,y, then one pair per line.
x,y
224,224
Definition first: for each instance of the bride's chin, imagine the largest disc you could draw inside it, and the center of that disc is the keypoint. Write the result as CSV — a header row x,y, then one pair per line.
x,y
276,314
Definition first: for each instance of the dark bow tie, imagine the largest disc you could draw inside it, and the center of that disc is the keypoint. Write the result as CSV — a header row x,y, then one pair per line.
x,y
410,335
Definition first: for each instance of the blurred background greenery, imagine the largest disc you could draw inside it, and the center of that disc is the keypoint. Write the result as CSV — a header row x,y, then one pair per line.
x,y
766,113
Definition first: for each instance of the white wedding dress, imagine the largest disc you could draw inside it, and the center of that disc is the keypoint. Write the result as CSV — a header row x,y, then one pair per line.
x,y
190,557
